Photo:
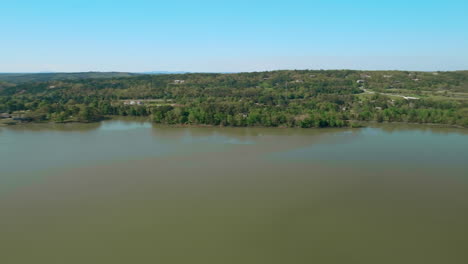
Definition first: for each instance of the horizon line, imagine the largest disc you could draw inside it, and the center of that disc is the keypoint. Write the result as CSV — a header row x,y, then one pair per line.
x,y
221,72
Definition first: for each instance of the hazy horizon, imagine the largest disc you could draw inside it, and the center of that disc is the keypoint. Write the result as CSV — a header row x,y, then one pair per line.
x,y
365,65
189,72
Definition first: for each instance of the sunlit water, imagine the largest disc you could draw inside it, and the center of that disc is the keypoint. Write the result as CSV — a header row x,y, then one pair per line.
x,y
131,192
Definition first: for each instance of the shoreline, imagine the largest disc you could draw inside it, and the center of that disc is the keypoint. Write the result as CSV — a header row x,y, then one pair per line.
x,y
357,124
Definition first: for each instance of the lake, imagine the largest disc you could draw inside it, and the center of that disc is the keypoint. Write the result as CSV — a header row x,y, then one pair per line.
x,y
126,191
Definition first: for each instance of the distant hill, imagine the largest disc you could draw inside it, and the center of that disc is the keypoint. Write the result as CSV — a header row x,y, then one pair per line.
x,y
18,78
165,72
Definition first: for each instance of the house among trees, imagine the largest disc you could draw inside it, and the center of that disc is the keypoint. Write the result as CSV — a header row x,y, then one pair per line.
x,y
179,81
133,102
410,98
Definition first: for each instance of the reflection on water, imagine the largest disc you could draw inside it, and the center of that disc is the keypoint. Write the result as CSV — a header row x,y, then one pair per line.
x,y
39,127
421,128
120,125
125,192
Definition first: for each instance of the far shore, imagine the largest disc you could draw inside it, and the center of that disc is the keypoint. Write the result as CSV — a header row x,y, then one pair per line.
x,y
353,123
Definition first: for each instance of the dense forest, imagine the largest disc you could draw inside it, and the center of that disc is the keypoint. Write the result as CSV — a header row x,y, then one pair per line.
x,y
299,98
44,77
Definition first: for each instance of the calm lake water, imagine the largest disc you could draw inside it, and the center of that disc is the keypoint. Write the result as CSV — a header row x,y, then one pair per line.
x,y
132,192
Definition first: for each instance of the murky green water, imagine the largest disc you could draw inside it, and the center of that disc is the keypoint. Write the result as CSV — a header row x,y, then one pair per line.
x,y
130,192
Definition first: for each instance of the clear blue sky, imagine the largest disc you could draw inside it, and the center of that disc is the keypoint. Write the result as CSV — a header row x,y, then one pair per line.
x,y
228,36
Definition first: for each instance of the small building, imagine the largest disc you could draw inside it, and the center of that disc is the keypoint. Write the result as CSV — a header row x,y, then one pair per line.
x,y
410,98
133,102
360,81
179,81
